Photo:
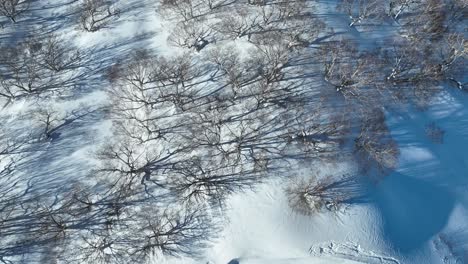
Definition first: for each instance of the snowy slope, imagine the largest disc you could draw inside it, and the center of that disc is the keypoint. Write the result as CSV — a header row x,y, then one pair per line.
x,y
417,214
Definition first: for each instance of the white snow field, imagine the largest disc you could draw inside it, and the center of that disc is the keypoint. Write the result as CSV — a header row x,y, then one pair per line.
x,y
416,213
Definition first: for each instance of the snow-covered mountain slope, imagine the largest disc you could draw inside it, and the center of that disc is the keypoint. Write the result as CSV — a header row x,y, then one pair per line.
x,y
416,213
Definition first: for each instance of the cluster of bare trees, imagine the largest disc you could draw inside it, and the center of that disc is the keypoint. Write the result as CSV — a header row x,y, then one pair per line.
x,y
109,231
191,129
198,130
16,205
79,227
430,13
429,54
83,224
201,23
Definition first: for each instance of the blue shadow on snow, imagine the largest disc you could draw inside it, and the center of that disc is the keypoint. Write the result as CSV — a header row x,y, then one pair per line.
x,y
412,210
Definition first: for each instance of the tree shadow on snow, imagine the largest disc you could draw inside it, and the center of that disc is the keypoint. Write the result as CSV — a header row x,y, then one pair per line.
x,y
413,211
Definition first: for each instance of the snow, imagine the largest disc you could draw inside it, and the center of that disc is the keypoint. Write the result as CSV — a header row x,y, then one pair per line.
x,y
417,214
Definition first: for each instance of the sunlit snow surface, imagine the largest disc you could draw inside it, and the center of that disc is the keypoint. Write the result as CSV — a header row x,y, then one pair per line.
x,y
417,214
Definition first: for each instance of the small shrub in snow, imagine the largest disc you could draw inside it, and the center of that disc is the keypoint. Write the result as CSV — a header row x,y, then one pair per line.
x,y
435,133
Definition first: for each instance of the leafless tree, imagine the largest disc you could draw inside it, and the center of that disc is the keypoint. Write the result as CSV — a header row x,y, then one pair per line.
x,y
194,34
257,2
310,137
49,118
96,14
238,23
414,70
448,60
374,144
11,9
272,58
292,9
10,150
302,32
362,10
214,4
397,7
148,81
199,180
230,69
311,196
350,71
184,10
176,233
59,55
140,233
432,19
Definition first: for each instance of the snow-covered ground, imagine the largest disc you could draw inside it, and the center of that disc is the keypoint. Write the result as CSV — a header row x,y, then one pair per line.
x,y
416,214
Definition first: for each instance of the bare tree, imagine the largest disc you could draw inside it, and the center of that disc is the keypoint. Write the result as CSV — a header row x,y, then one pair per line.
x,y
311,196
199,180
184,10
311,137
397,7
139,233
10,154
96,14
349,71
11,9
257,2
272,59
230,69
59,55
413,71
49,118
374,145
292,9
431,19
214,4
302,32
194,34
238,23
362,10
